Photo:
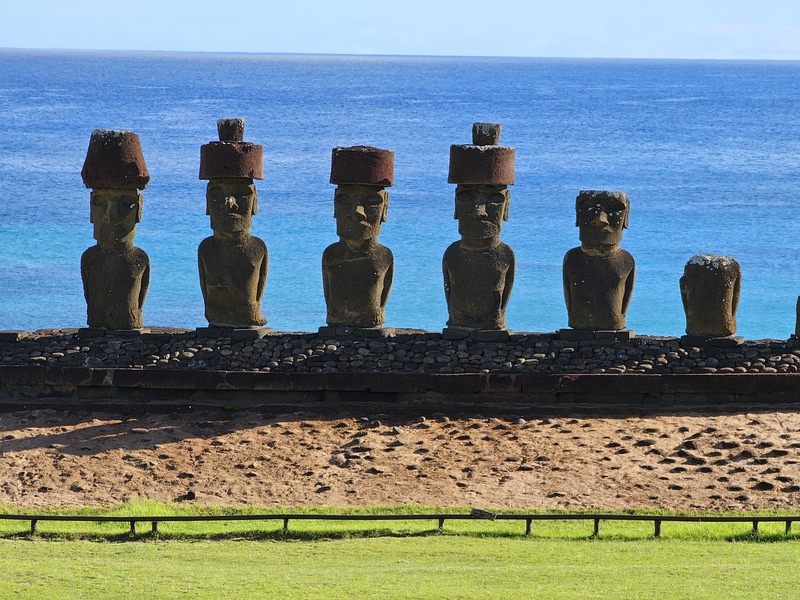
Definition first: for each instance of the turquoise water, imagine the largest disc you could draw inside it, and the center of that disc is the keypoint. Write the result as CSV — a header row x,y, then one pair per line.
x,y
708,152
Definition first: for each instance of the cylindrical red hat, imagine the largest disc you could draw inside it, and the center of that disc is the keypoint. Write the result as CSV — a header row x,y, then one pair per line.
x,y
365,165
230,156
114,160
483,161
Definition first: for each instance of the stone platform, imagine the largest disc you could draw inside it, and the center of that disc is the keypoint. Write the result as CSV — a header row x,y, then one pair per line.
x,y
169,369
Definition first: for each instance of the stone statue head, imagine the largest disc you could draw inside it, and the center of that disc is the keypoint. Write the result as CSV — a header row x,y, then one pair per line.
x,y
359,211
114,213
115,170
360,201
230,166
601,217
481,209
482,171
231,203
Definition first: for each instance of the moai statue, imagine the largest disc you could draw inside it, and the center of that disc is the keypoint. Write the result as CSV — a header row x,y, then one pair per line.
x,y
232,262
115,273
599,275
710,289
479,269
357,271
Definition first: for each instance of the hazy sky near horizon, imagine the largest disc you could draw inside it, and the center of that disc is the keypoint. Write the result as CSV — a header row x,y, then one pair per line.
x,y
736,29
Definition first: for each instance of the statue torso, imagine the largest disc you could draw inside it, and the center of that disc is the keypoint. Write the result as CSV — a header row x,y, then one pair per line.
x,y
115,286
232,279
357,284
476,283
598,289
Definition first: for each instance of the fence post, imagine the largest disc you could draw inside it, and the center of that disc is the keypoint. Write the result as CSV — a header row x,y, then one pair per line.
x,y
755,527
441,524
528,526
154,526
658,527
596,527
34,522
133,527
285,525
788,527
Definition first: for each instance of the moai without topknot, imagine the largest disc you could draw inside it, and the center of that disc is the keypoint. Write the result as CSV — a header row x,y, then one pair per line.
x,y
710,289
115,273
357,271
478,269
232,262
599,275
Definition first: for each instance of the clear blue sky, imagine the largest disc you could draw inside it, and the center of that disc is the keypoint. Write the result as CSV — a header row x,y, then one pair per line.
x,y
753,29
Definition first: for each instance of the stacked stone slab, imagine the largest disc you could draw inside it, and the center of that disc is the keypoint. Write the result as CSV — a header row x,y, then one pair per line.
x,y
115,274
478,269
232,262
357,271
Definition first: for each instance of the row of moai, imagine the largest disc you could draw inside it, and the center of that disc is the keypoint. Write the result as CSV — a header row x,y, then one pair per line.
x,y
478,269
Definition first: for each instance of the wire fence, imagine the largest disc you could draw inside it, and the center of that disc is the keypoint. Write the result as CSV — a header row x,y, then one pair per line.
x,y
440,518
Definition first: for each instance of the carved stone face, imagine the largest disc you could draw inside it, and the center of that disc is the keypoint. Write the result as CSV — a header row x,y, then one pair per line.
x,y
481,210
601,218
114,214
231,203
359,211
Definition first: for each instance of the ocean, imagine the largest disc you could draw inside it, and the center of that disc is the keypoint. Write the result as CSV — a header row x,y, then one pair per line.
x,y
707,151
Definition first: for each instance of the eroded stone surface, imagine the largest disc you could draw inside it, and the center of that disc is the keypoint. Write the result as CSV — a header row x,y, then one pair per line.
x,y
710,289
599,275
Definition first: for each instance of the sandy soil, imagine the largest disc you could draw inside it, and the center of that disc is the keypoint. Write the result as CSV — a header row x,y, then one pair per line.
x,y
689,461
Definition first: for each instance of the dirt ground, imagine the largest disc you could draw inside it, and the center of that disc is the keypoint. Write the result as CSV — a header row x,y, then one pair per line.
x,y
688,461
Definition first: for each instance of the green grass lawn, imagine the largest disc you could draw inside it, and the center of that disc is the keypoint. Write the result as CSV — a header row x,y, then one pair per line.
x,y
474,559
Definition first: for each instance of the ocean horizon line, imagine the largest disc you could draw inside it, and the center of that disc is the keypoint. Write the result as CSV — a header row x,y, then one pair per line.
x,y
247,54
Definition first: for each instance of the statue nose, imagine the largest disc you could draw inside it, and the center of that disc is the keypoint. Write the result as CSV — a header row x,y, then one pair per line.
x,y
358,213
230,202
479,210
600,219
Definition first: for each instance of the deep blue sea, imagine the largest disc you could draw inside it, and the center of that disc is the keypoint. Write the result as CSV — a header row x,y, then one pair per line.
x,y
708,152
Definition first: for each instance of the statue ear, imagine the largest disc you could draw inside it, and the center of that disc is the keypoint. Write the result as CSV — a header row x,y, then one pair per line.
x,y
627,211
577,214
254,210
384,216
139,203
91,197
505,210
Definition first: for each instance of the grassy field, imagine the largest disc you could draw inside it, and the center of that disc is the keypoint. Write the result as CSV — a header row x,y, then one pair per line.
x,y
475,559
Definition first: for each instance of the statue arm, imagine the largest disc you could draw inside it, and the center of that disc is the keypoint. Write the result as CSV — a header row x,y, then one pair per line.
x,y
684,294
446,277
262,275
201,268
387,282
737,290
565,283
145,284
626,298
326,286
509,282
